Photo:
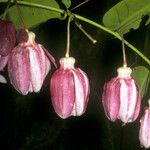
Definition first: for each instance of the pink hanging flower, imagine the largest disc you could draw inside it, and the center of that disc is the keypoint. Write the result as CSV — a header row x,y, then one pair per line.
x,y
144,133
69,88
28,65
121,98
7,37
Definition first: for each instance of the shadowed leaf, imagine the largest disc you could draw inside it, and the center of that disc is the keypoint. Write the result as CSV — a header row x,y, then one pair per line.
x,y
127,14
142,76
33,16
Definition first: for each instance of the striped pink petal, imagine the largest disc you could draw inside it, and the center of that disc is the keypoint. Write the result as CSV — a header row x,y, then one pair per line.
x,y
110,99
129,96
144,132
62,92
19,69
81,92
37,67
7,37
129,101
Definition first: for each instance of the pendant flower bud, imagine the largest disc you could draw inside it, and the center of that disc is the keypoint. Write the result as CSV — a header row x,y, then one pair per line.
x,y
121,98
144,132
69,88
28,65
7,37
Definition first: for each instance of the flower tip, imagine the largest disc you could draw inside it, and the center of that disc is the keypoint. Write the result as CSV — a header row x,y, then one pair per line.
x,y
94,41
31,35
2,79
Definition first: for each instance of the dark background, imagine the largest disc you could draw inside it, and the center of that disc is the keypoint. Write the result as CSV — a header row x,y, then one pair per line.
x,y
30,123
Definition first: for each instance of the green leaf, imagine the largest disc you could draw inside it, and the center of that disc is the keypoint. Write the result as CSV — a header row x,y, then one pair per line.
x,y
67,3
33,16
126,15
142,76
2,1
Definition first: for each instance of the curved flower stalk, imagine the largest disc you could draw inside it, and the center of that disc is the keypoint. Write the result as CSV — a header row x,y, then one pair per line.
x,y
7,37
144,132
121,98
69,88
28,65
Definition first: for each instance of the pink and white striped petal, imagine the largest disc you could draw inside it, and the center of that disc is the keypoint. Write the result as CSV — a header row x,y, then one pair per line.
x,y
81,92
62,92
144,132
19,69
110,99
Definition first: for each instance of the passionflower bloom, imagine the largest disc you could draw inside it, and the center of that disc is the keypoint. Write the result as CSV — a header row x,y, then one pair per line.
x,y
7,37
121,98
69,88
144,133
28,65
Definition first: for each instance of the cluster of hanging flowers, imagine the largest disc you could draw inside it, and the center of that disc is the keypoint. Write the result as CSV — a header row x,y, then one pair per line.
x,y
121,100
29,63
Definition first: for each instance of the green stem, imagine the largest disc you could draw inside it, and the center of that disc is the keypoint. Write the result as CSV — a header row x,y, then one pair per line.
x,y
5,12
124,53
20,15
88,36
68,37
40,6
115,34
